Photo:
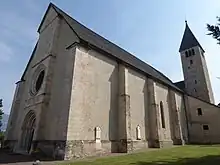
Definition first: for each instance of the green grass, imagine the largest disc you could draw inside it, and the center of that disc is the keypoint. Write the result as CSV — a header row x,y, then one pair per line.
x,y
186,155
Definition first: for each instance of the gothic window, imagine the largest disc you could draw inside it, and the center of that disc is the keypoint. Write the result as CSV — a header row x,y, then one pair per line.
x,y
186,53
97,134
138,132
199,111
191,62
205,127
190,53
193,52
162,115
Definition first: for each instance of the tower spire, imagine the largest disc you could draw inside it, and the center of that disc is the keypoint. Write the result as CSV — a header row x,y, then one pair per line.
x,y
188,40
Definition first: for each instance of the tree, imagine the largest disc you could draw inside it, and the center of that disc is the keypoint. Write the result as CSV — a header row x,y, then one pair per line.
x,y
215,30
1,114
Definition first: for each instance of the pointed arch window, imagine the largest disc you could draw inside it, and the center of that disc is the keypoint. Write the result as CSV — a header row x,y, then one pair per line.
x,y
193,52
138,132
97,134
162,115
190,53
186,53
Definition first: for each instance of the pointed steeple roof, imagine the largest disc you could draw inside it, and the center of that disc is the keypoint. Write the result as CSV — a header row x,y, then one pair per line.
x,y
189,40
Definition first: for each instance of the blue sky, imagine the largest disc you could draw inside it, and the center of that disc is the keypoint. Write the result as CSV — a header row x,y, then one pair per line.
x,y
151,30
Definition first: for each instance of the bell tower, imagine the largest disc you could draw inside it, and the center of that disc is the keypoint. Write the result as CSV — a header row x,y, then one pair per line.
x,y
195,71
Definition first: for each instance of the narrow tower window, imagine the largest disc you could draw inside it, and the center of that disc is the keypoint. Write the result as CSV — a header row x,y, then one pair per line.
x,y
191,62
195,81
162,115
199,111
195,90
193,52
186,53
190,53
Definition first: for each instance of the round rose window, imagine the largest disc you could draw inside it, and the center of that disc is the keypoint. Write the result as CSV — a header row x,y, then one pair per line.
x,y
39,80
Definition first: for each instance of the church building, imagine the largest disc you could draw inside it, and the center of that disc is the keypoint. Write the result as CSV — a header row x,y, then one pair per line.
x,y
81,95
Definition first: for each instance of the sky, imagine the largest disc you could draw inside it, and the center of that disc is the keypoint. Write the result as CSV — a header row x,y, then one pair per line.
x,y
150,29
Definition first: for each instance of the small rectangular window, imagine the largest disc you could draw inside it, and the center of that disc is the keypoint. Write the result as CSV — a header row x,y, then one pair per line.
x,y
199,111
205,127
191,62
195,81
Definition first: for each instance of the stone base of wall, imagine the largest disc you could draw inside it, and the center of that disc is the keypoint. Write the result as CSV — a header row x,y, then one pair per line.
x,y
66,150
10,144
177,142
140,144
79,148
153,143
166,144
50,148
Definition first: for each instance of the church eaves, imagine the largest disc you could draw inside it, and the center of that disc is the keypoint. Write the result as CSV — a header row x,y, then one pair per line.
x,y
189,40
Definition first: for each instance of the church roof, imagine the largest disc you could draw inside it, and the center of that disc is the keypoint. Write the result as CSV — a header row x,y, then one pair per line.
x,y
180,84
188,40
94,40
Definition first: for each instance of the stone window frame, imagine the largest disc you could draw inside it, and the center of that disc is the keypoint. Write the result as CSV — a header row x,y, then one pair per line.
x,y
186,53
97,133
193,52
199,112
189,52
205,127
41,68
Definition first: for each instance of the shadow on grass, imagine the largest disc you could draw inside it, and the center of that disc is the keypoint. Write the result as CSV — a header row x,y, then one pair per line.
x,y
207,160
9,157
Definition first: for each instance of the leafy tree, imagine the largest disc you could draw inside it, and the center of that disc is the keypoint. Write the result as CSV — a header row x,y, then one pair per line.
x,y
215,30
1,113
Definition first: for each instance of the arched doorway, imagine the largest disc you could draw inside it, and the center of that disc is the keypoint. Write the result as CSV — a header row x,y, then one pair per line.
x,y
28,129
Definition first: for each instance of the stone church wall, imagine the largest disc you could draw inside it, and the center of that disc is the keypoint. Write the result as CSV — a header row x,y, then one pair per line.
x,y
162,96
181,112
137,90
208,117
94,102
97,83
52,55
26,101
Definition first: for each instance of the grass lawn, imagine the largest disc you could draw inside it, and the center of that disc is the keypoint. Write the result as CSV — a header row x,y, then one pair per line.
x,y
186,155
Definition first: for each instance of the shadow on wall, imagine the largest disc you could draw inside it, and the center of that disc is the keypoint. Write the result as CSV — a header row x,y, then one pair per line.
x,y
113,112
207,160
